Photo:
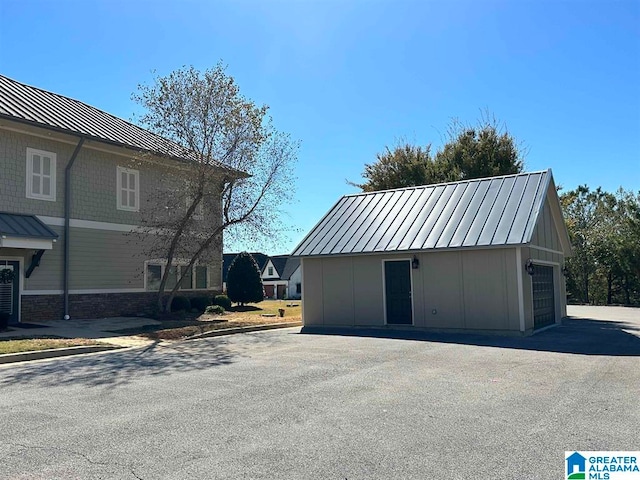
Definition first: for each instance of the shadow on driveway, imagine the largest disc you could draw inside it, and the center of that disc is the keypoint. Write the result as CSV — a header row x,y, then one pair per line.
x,y
584,336
115,369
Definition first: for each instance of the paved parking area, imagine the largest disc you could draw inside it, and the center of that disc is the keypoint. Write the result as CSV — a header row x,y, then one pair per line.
x,y
286,405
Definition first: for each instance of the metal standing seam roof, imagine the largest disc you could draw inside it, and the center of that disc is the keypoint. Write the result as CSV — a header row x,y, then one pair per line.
x,y
485,212
32,105
25,226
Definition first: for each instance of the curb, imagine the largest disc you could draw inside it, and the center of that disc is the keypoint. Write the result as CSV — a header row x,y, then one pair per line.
x,y
53,353
68,351
254,328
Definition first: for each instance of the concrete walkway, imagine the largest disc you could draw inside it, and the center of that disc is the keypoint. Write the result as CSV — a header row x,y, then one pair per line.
x,y
101,329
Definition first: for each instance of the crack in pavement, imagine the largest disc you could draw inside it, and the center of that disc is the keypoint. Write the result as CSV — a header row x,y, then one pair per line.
x,y
78,454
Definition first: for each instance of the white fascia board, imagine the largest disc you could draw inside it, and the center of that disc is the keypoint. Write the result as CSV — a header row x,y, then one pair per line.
x,y
26,243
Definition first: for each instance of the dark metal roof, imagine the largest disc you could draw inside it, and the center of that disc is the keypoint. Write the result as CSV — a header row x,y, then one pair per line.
x,y
475,213
291,266
25,226
31,105
279,262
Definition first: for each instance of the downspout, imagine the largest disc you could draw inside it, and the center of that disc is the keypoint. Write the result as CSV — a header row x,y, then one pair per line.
x,y
67,217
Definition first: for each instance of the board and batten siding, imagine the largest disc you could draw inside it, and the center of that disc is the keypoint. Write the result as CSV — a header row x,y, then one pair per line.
x,y
544,249
545,234
471,290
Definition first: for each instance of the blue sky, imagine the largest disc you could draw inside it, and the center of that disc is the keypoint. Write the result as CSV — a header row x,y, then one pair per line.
x,y
348,77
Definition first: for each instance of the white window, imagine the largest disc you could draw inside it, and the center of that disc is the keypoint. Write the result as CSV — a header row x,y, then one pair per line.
x,y
128,185
41,175
154,272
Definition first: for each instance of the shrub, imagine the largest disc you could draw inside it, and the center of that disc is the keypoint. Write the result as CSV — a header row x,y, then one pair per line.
x,y
223,301
244,283
200,303
4,320
180,303
214,309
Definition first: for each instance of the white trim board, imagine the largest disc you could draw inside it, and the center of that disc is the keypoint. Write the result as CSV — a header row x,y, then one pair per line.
x,y
76,223
20,261
106,226
520,288
535,247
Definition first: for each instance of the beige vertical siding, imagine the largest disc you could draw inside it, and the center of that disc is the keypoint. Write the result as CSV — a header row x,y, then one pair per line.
x,y
474,290
368,302
312,293
545,234
443,287
338,291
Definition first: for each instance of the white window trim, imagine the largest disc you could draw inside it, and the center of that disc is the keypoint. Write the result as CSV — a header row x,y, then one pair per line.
x,y
136,173
163,265
52,192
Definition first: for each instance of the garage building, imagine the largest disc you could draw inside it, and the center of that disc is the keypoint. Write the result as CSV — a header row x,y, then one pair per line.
x,y
479,255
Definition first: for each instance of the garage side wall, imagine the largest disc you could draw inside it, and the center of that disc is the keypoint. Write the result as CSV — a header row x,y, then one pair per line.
x,y
545,249
460,290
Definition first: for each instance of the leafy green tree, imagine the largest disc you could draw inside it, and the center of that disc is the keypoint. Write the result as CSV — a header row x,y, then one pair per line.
x,y
244,283
605,234
405,165
483,150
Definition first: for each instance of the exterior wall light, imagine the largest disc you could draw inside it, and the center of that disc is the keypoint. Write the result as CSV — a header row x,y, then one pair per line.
x,y
415,263
528,266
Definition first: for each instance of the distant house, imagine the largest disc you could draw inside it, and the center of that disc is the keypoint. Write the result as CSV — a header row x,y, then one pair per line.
x,y
73,184
479,255
293,275
280,274
274,285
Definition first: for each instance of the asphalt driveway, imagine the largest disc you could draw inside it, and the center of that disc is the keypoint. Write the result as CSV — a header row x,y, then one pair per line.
x,y
281,404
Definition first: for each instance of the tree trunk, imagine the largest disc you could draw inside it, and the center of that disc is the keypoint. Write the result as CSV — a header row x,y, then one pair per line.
x,y
626,289
586,289
609,283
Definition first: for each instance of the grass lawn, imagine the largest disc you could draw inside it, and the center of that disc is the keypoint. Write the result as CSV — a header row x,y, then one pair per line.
x,y
252,314
31,344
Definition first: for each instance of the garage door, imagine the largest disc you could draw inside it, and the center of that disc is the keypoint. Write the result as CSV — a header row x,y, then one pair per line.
x,y
544,310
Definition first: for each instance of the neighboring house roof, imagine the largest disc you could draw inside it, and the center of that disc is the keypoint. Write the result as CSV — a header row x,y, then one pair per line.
x,y
260,258
25,226
495,211
34,106
279,262
290,267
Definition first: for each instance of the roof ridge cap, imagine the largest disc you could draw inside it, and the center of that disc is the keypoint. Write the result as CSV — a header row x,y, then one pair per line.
x,y
468,180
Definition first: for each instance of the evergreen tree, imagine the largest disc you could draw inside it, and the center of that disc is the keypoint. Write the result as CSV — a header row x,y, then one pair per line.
x,y
244,283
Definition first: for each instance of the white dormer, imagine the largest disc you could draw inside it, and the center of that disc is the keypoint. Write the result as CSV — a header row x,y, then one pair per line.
x,y
269,271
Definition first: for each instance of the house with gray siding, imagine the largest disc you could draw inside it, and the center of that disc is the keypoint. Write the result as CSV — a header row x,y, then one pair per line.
x,y
482,255
74,183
